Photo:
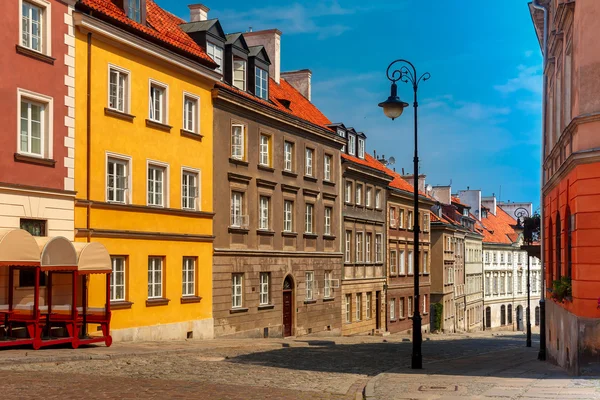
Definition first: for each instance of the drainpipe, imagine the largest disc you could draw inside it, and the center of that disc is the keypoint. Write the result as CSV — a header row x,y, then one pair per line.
x,y
542,353
89,134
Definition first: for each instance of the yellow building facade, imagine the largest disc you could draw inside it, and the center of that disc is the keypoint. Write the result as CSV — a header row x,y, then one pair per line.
x,y
143,173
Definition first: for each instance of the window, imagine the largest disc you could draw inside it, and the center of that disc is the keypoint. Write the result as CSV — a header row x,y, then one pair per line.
x,y
237,219
265,150
393,261
361,148
410,220
348,308
33,127
117,180
378,199
264,205
309,218
288,152
495,257
327,285
156,185
502,258
410,262
401,219
503,315
348,192
369,197
328,212
368,305
327,168
239,74
401,308
189,276
359,194
262,84
378,248
425,261
288,216
502,284
510,283
134,10
393,221
216,53
392,309
520,283
237,281
189,190
402,268
359,247
426,222
155,277
537,316
190,114
410,306
158,108
35,227
264,288
509,314
358,306
424,304
118,88
308,171
509,258
368,242
351,145
495,284
237,141
348,244
117,279
32,29
310,281
487,257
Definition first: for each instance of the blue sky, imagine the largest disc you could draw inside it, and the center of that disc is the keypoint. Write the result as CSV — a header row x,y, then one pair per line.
x,y
479,114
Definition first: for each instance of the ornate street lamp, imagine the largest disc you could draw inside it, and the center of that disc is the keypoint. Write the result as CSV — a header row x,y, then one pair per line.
x,y
393,108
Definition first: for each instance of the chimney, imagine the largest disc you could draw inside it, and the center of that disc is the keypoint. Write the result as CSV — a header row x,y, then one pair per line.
x,y
300,80
471,198
490,202
198,12
410,179
271,40
442,194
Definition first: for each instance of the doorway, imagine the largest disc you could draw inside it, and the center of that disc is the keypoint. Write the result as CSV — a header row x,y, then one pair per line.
x,y
520,318
378,310
288,306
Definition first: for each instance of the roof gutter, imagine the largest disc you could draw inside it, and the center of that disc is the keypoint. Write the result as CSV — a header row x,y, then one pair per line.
x,y
536,4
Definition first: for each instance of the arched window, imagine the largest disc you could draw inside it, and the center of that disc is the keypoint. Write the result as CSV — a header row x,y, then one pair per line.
x,y
509,314
570,228
549,261
558,248
503,315
488,317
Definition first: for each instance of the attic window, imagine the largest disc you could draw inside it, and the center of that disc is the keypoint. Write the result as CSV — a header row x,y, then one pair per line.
x,y
285,102
239,74
361,148
134,10
484,214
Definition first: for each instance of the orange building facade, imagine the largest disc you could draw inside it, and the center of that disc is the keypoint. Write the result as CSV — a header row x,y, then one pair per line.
x,y
571,181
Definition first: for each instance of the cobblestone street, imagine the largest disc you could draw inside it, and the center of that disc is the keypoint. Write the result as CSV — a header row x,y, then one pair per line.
x,y
324,368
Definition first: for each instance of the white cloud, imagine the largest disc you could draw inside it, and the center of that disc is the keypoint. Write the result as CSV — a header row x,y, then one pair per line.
x,y
528,79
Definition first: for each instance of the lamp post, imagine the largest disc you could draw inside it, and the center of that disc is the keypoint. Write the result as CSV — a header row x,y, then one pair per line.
x,y
393,108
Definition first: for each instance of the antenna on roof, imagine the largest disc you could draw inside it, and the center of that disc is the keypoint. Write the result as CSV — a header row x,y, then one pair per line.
x,y
250,29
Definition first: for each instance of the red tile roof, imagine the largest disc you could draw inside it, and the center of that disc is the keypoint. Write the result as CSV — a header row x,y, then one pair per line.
x,y
457,201
161,25
499,228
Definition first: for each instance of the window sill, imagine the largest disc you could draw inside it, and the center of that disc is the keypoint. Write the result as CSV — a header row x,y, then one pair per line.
x,y
35,54
289,173
328,183
191,135
158,125
120,305
289,234
238,162
190,299
233,229
266,168
46,162
310,236
157,302
263,232
328,299
329,237
310,301
118,114
393,320
238,310
310,178
266,307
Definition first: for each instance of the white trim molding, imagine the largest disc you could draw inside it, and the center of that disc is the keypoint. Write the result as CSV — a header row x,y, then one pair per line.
x,y
199,185
166,182
129,160
47,123
46,24
69,101
127,107
192,96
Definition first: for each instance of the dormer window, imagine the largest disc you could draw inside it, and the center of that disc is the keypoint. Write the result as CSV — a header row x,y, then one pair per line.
x,y
134,10
239,74
351,145
466,212
361,148
262,83
216,53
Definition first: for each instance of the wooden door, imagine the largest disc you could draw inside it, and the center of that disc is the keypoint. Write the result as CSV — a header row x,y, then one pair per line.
x,y
287,313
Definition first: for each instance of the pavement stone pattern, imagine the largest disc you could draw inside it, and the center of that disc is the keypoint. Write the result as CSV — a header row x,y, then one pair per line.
x,y
464,366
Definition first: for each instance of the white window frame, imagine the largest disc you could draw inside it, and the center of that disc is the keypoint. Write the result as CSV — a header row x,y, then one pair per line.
x,y
210,48
153,284
241,146
127,161
402,263
368,306
47,128
358,307
245,71
197,198
359,251
264,213
368,195
309,218
264,154
378,199
164,114
188,265
288,156
264,295
46,28
425,261
236,210
195,113
327,213
393,261
259,78
310,281
401,308
309,155
113,278
348,305
410,306
348,192
348,249
352,144
401,218
393,308
358,193
361,148
327,161
327,285
410,220
378,247
288,215
126,89
411,269
237,296
165,182
368,241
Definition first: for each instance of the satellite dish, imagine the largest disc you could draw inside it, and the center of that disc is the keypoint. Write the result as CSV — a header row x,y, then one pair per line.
x,y
428,188
392,161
